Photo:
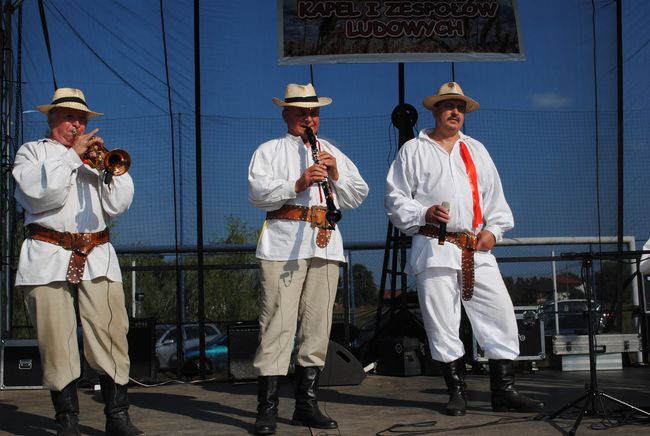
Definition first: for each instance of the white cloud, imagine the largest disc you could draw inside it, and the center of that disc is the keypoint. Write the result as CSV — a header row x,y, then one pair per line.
x,y
549,100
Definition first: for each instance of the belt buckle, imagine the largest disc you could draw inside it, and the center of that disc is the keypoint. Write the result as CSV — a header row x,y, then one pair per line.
x,y
317,216
469,241
80,242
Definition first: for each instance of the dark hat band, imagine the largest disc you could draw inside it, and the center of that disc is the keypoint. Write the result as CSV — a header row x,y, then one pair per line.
x,y
70,99
300,99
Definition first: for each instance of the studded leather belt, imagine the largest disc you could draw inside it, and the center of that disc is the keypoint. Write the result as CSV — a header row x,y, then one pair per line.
x,y
467,243
315,215
79,243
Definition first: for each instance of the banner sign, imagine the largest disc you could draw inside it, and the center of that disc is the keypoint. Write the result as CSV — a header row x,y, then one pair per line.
x,y
349,31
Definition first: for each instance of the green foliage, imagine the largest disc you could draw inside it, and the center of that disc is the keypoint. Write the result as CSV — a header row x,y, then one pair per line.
x,y
529,291
230,282
158,286
364,285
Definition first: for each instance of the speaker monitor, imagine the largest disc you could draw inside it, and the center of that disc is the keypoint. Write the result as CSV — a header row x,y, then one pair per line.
x,y
142,354
142,348
20,364
399,357
341,367
243,339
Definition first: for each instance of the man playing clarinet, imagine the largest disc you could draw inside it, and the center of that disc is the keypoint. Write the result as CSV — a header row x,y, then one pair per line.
x,y
301,181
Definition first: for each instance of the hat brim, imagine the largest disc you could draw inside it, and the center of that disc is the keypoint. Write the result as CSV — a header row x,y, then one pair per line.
x,y
432,100
322,101
45,108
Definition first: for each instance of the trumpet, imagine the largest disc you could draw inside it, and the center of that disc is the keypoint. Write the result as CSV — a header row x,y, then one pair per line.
x,y
116,162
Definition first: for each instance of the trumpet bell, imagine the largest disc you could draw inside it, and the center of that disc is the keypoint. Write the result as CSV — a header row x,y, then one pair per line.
x,y
117,162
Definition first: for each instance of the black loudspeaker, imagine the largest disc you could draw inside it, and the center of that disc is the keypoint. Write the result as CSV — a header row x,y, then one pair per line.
x,y
399,357
341,367
142,354
243,339
89,377
142,348
20,364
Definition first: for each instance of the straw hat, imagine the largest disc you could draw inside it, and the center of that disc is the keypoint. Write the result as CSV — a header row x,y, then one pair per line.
x,y
71,98
450,91
301,96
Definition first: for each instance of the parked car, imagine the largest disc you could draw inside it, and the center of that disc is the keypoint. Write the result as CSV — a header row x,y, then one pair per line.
x,y
572,317
216,355
168,335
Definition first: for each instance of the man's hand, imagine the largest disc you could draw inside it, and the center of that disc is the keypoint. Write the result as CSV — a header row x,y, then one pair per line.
x,y
314,174
486,241
82,142
324,158
437,213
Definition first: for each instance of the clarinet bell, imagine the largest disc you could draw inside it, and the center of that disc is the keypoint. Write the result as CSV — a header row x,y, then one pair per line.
x,y
333,215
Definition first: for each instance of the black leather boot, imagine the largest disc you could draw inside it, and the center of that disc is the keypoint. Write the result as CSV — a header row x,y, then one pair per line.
x,y
307,412
116,409
504,395
267,404
454,374
66,405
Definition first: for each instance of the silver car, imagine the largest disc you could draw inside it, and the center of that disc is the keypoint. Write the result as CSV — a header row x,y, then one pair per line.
x,y
168,335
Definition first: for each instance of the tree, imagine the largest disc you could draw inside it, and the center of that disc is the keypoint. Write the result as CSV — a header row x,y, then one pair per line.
x,y
158,286
364,285
231,283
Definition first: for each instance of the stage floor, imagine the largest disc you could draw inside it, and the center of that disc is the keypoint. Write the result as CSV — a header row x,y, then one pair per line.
x,y
380,405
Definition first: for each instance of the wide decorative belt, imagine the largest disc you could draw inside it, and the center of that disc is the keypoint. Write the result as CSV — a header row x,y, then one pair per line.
x,y
316,215
467,243
79,243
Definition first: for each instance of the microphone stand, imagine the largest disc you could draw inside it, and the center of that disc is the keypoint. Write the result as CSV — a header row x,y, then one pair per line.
x,y
593,396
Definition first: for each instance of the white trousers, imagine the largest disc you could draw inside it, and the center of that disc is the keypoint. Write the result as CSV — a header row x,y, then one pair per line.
x,y
490,311
105,324
297,300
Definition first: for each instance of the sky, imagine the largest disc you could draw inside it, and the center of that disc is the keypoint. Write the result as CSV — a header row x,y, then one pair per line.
x,y
117,46
549,120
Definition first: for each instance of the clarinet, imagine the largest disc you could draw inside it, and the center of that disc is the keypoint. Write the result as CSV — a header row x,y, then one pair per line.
x,y
333,215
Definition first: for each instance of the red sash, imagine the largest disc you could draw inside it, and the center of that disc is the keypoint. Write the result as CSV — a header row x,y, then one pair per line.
x,y
471,173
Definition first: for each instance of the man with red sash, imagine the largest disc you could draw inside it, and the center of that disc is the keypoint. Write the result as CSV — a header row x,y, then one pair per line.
x,y
444,182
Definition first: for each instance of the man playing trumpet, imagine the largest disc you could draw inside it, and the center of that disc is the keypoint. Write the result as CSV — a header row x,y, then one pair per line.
x,y
67,260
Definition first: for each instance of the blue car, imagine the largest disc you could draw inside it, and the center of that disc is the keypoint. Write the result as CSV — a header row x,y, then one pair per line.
x,y
216,356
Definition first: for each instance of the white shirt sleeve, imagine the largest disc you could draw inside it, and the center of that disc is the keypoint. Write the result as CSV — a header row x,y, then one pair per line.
x,y
496,211
405,212
269,189
117,195
43,177
350,189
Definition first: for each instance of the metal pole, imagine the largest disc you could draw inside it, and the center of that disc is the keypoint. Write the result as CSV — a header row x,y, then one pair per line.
x,y
620,146
557,316
7,181
133,287
199,188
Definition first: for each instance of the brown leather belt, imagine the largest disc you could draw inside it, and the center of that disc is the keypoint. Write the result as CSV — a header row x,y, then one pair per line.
x,y
79,243
467,243
316,215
